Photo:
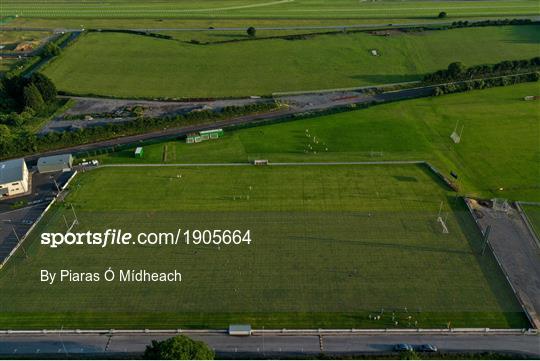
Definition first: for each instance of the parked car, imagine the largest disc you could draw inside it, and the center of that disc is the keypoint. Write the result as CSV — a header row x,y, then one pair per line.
x,y
427,348
402,347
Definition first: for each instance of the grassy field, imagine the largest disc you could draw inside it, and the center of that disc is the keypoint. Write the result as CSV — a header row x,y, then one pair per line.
x,y
325,253
8,38
266,8
116,64
6,64
500,147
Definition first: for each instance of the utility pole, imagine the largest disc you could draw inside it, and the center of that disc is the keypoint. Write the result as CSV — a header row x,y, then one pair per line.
x,y
19,241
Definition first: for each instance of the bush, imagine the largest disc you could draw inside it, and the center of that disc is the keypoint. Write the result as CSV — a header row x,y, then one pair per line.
x,y
32,97
457,71
251,31
178,348
45,86
485,83
442,15
50,50
33,92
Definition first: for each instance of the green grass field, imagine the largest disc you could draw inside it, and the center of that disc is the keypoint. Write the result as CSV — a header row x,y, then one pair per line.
x,y
6,64
342,242
117,64
266,8
500,147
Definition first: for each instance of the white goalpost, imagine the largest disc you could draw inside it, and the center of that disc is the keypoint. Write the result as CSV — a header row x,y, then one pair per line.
x,y
75,220
455,136
441,220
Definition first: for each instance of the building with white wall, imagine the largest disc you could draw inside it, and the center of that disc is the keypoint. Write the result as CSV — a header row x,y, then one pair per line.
x,y
13,177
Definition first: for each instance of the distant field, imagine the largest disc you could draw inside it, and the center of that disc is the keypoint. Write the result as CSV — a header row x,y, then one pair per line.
x,y
500,146
266,8
117,64
14,37
342,242
6,64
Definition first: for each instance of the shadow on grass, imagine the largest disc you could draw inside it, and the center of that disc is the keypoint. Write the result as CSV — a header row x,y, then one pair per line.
x,y
386,78
501,290
525,34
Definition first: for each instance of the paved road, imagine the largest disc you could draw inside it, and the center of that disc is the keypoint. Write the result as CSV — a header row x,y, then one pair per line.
x,y
285,28
269,345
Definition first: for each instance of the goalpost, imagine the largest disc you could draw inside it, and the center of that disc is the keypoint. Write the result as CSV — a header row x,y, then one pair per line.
x,y
75,220
455,136
441,220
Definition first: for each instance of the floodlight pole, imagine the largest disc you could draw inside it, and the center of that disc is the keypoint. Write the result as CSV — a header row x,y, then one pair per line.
x,y
19,241
74,214
56,184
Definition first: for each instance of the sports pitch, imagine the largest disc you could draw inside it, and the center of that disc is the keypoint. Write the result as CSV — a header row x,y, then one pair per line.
x,y
266,8
339,246
499,154
116,64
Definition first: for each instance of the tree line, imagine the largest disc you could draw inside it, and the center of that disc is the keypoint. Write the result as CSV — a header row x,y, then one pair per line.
x,y
458,71
485,83
25,98
24,141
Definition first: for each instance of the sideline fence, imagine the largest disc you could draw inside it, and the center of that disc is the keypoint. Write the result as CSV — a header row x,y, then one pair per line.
x,y
499,263
285,332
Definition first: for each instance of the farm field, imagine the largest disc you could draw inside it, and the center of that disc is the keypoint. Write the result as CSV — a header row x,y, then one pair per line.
x,y
266,8
6,64
500,147
8,38
116,64
325,253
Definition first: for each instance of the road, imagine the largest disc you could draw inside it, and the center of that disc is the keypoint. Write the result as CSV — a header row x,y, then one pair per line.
x,y
268,345
273,28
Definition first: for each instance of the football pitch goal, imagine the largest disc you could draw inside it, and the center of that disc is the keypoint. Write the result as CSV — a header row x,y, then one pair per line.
x,y
341,246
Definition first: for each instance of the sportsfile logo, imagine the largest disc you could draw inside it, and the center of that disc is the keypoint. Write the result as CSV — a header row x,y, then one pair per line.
x,y
117,237
108,238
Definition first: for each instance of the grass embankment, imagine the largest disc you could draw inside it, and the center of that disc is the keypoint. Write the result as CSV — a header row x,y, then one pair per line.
x,y
116,64
326,253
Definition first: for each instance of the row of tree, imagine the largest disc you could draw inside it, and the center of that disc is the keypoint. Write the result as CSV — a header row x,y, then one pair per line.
x,y
458,71
499,22
485,83
28,93
13,143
